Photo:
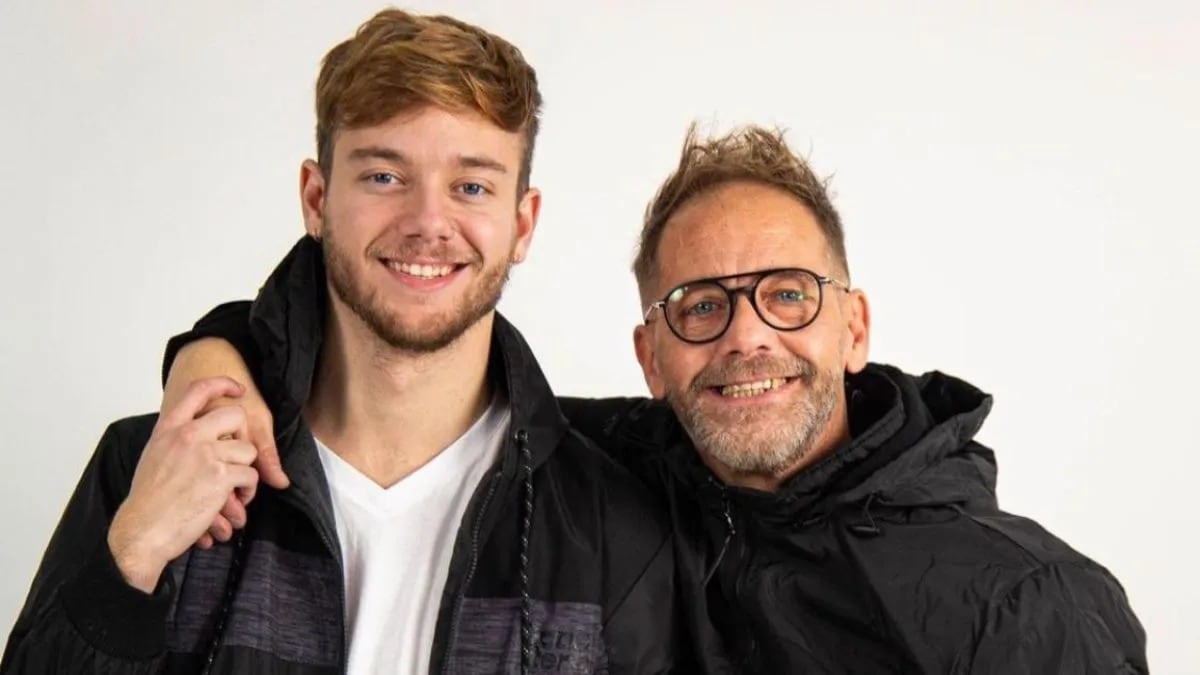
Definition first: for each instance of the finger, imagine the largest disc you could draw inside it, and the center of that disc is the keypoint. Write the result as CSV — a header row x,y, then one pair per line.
x,y
234,512
244,496
197,397
269,466
205,542
235,452
227,421
221,529
240,476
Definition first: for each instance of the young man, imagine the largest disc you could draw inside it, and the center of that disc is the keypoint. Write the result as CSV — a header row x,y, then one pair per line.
x,y
432,511
832,515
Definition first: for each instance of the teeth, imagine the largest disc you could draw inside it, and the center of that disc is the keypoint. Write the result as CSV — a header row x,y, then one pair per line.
x,y
422,271
752,388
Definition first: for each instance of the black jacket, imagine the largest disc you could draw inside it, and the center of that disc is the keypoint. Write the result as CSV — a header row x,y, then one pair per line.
x,y
888,556
562,554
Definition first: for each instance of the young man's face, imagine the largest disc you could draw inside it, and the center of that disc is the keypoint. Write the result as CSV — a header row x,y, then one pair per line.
x,y
420,220
756,399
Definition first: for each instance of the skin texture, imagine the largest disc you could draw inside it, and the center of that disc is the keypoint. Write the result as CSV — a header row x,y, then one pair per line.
x,y
757,441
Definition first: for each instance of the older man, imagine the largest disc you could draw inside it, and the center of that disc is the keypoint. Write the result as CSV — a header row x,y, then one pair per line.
x,y
832,515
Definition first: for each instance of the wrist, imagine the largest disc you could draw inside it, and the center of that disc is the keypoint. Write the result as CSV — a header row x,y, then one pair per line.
x,y
138,563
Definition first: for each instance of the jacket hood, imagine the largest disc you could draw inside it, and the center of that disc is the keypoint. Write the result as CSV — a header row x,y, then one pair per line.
x,y
912,444
287,322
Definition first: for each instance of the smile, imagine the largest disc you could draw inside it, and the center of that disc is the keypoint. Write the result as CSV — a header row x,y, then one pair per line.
x,y
421,271
748,389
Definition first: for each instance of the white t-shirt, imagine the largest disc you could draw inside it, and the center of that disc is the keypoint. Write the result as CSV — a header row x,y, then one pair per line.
x,y
397,544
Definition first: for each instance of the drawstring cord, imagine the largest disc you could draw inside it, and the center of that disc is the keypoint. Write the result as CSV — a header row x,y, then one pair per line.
x,y
526,526
870,529
231,583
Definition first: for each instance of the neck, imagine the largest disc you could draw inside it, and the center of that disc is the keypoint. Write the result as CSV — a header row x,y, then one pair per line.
x,y
835,434
388,412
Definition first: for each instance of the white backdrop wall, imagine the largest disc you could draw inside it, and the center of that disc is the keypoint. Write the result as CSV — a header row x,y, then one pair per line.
x,y
1018,183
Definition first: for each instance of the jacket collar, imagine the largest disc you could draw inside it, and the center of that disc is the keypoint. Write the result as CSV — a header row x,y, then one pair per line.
x,y
911,444
287,322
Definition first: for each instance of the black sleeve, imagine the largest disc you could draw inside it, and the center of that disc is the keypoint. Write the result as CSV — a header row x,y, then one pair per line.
x,y
80,615
229,321
603,421
1064,618
628,429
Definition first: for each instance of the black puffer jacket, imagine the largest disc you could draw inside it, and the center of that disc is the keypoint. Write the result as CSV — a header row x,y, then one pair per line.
x,y
562,557
889,556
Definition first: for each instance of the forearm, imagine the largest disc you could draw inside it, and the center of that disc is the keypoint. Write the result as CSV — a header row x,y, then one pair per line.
x,y
230,322
204,358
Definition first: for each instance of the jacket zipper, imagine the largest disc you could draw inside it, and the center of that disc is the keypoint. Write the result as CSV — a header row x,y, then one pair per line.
x,y
458,600
739,584
337,555
341,588
341,585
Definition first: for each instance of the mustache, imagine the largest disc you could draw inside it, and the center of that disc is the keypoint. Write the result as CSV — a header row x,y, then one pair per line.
x,y
418,249
754,368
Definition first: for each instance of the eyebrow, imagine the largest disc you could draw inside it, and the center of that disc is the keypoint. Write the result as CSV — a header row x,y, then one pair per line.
x,y
397,157
378,152
481,162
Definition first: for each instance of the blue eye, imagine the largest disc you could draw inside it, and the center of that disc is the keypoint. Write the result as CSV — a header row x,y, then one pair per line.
x,y
473,189
791,296
702,308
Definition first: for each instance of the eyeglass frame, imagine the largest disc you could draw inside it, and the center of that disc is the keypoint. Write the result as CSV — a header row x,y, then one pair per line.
x,y
751,292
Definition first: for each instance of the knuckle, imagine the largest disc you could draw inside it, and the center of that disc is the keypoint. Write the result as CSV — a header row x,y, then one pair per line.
x,y
189,434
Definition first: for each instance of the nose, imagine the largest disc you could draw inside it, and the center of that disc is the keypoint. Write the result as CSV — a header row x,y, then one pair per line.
x,y
747,333
428,215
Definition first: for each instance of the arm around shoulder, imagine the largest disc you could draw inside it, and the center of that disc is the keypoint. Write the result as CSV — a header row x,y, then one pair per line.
x,y
229,321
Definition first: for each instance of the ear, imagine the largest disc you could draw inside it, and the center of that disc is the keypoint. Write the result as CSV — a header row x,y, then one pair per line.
x,y
643,344
527,216
312,198
858,331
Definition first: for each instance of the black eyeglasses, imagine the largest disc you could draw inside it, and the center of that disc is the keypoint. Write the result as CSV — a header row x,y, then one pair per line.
x,y
785,299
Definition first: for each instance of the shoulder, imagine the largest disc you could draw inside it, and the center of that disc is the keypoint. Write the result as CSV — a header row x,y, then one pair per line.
x,y
992,548
116,455
1013,561
1067,615
124,439
986,579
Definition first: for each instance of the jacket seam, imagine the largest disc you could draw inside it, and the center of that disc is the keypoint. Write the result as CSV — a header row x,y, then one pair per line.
x,y
637,582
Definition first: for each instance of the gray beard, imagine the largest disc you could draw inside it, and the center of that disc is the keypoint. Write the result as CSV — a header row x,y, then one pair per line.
x,y
760,442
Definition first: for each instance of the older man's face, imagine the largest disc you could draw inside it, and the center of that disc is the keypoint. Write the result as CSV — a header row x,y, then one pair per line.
x,y
757,399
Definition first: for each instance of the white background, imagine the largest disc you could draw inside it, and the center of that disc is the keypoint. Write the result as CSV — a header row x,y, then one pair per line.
x,y
1018,183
